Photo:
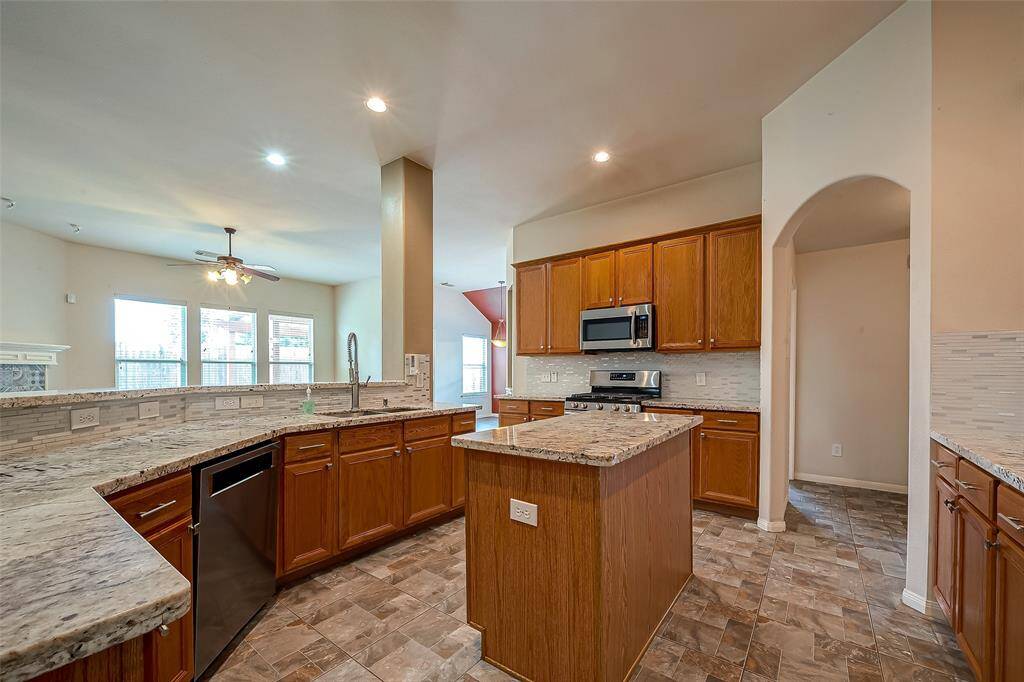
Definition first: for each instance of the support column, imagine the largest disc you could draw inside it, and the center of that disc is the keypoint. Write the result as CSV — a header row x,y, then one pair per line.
x,y
407,263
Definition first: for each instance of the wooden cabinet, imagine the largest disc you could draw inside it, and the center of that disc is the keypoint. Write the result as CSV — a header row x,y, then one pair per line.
x,y
460,424
427,473
634,277
975,567
599,280
944,545
370,494
512,419
727,467
124,662
169,655
679,293
512,412
308,512
531,309
1008,664
734,287
564,303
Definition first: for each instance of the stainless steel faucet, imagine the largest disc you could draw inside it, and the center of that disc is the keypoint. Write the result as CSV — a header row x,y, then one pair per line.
x,y
353,368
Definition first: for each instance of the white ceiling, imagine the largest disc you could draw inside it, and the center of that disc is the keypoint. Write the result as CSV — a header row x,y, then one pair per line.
x,y
865,211
146,123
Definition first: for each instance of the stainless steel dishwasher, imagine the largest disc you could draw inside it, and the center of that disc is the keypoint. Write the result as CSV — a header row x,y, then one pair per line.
x,y
235,545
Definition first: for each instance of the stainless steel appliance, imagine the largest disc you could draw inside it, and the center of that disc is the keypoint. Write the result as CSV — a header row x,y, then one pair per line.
x,y
617,390
235,523
627,328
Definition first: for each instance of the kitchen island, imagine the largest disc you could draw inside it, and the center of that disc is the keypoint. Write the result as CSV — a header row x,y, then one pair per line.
x,y
575,588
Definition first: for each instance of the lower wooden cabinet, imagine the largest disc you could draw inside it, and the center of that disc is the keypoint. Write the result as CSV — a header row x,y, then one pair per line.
x,y
975,563
427,479
512,419
370,495
944,545
124,662
1009,611
460,424
169,653
727,467
308,512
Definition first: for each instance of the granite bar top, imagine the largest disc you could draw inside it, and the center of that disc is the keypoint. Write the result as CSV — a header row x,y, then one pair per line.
x,y
582,437
516,396
710,404
1000,454
75,578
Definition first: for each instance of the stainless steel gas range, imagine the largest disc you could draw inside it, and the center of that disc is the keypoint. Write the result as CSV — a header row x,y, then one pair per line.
x,y
616,390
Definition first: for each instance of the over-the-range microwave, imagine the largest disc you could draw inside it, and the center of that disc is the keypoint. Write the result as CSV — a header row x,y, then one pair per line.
x,y
626,328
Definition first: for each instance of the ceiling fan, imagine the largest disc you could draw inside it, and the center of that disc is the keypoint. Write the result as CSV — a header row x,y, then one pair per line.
x,y
231,269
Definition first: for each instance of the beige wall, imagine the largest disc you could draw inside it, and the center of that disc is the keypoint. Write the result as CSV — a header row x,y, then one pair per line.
x,y
96,275
357,308
852,368
978,166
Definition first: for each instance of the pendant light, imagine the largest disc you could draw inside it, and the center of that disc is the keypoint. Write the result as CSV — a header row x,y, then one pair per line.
x,y
500,339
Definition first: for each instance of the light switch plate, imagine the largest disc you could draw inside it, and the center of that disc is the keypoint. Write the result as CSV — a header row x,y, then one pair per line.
x,y
523,512
702,378
252,401
81,419
226,403
837,449
554,377
149,410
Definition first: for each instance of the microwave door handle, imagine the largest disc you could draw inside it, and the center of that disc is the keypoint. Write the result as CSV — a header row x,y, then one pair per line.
x,y
632,327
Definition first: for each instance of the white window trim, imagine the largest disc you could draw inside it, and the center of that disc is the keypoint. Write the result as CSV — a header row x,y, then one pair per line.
x,y
255,343
184,334
312,345
487,367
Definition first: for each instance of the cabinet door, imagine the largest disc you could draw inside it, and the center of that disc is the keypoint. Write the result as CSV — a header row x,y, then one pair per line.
x,y
634,280
512,419
370,493
1009,629
169,657
975,577
734,288
944,545
564,296
599,280
531,309
427,475
727,471
679,293
308,513
458,477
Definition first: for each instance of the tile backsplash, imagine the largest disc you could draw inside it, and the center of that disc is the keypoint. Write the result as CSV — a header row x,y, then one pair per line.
x,y
978,381
730,376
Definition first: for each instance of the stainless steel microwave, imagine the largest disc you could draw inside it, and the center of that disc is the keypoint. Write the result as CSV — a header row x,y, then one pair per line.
x,y
627,328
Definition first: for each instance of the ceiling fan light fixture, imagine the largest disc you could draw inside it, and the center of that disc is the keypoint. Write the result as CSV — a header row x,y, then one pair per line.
x,y
230,277
213,275
246,278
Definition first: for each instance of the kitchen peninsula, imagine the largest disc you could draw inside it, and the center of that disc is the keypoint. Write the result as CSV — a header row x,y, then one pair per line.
x,y
574,587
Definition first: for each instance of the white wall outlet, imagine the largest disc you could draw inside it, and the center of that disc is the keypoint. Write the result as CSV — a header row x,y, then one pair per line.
x,y
702,378
71,298
252,401
837,449
523,512
545,378
149,410
554,377
230,402
81,419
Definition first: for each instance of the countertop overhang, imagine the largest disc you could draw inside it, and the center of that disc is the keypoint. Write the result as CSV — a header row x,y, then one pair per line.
x,y
1000,454
75,577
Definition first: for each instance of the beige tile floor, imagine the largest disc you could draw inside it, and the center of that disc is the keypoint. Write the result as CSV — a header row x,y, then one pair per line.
x,y
818,602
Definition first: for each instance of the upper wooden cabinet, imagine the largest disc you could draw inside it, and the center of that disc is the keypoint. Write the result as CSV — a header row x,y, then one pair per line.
x,y
734,288
634,279
548,307
599,280
532,309
679,293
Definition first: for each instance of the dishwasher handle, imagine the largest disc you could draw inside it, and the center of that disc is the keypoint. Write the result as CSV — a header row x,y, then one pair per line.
x,y
229,477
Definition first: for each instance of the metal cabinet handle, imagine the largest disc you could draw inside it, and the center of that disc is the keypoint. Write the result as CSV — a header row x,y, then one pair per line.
x,y
547,409
712,340
965,485
330,465
310,447
164,630
703,435
398,453
991,545
700,341
157,508
620,299
1013,521
408,449
728,421
611,300
950,505
940,465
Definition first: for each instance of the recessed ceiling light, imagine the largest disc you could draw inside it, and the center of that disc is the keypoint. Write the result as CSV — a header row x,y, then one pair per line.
x,y
602,156
377,104
276,159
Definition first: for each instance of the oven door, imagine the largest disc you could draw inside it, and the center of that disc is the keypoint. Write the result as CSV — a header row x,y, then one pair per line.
x,y
626,328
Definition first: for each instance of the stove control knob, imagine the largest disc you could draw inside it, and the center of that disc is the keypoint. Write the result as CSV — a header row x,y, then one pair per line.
x,y
615,408
600,407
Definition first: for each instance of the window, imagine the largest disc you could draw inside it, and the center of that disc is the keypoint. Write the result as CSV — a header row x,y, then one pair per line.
x,y
474,365
291,349
228,346
149,344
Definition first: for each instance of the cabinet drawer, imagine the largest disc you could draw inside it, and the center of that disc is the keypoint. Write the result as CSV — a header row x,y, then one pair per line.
x,y
463,423
731,421
1010,512
308,446
512,419
513,407
944,462
369,437
547,408
668,410
428,427
977,487
153,504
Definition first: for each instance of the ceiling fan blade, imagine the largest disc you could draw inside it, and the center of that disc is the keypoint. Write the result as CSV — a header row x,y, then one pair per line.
x,y
200,260
257,273
208,254
264,268
184,265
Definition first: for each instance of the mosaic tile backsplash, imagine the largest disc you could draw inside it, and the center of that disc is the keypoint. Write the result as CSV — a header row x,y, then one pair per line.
x,y
978,381
18,377
730,376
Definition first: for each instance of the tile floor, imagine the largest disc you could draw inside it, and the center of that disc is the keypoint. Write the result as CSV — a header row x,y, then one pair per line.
x,y
818,602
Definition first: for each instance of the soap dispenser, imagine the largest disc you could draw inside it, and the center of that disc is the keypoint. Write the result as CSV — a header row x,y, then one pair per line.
x,y
307,404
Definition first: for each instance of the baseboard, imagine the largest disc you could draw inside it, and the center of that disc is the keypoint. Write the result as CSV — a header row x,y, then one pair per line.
x,y
921,604
851,482
772,526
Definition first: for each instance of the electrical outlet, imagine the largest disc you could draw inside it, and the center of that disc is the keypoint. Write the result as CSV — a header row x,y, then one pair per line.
x,y
554,377
252,401
702,378
81,419
837,449
149,410
226,403
545,378
523,512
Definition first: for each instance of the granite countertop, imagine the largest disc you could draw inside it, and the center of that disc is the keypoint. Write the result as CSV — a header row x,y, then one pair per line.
x,y
582,437
517,396
74,576
710,404
1000,454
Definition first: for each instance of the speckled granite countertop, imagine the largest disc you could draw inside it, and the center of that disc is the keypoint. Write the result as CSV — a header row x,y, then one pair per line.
x,y
74,576
516,396
582,437
710,404
1002,455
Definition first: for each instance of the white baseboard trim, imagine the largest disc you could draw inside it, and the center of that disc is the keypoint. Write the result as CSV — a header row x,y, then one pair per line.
x,y
921,604
851,482
771,526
